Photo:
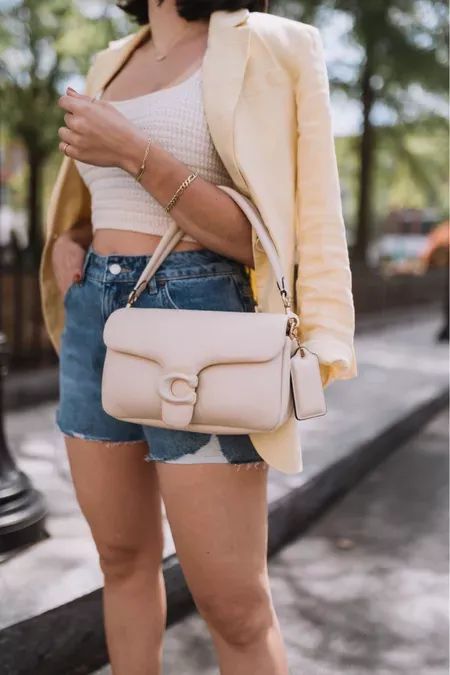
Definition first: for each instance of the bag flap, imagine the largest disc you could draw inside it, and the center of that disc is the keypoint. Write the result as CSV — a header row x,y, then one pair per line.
x,y
195,339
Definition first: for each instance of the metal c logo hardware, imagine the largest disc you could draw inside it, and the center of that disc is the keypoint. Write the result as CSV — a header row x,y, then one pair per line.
x,y
166,393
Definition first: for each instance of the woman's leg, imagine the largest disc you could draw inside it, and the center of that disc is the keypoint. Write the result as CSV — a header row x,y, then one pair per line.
x,y
218,517
119,495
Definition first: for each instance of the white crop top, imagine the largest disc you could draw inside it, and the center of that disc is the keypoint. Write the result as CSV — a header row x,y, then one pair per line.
x,y
174,117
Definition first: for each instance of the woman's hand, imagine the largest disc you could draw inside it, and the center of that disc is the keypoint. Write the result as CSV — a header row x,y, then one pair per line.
x,y
96,133
67,259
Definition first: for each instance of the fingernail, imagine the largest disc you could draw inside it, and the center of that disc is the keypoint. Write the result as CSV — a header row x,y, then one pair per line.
x,y
76,278
72,90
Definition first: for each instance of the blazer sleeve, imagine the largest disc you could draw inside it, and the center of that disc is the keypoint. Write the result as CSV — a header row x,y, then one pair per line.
x,y
323,284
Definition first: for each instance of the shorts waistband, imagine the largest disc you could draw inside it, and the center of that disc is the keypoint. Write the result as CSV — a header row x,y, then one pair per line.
x,y
127,268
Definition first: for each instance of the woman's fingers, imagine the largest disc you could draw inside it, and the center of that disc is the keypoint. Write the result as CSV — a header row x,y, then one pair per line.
x,y
69,121
72,92
71,143
72,135
95,132
67,135
66,283
68,259
69,150
73,104
65,278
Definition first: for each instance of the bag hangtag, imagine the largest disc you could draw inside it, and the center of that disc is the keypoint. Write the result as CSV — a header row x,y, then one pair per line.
x,y
306,383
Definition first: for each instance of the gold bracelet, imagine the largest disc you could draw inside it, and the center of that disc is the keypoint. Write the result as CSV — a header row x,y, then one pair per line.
x,y
140,173
180,190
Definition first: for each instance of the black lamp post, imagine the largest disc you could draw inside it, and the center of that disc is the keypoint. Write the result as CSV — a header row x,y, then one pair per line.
x,y
22,508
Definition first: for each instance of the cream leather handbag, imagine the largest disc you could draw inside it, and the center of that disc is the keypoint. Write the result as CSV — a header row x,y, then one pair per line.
x,y
209,371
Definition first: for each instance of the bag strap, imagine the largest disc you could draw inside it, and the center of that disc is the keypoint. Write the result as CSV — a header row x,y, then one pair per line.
x,y
173,235
165,246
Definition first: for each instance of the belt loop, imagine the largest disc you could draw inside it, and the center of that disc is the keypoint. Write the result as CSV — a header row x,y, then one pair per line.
x,y
86,260
152,286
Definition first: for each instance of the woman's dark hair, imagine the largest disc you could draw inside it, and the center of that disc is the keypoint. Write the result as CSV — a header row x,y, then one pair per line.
x,y
191,10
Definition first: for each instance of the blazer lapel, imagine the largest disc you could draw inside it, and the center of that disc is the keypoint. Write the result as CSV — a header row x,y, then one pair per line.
x,y
223,74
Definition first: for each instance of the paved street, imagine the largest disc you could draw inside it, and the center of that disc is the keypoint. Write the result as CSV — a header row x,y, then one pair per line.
x,y
365,591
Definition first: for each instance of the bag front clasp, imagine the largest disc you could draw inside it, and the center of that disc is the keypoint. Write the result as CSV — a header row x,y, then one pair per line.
x,y
177,407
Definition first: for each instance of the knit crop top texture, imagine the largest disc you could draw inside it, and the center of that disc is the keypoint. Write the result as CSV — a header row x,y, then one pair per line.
x,y
174,118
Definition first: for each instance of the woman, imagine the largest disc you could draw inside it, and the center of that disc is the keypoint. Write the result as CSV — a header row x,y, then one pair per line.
x,y
240,98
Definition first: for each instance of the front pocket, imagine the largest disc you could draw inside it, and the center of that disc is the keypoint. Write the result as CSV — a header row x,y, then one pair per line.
x,y
217,292
68,292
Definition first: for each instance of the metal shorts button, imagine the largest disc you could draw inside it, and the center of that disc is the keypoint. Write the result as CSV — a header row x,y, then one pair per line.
x,y
115,268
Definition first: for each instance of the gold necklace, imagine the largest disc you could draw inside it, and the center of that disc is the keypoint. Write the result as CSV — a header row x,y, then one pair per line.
x,y
163,56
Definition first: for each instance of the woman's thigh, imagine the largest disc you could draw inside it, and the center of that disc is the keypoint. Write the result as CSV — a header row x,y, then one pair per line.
x,y
218,518
118,493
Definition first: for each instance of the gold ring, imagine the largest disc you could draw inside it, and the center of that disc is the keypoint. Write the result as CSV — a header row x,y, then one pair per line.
x,y
66,145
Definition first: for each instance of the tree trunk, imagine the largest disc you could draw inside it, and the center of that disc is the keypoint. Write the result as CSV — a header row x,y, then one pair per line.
x,y
367,154
34,206
35,248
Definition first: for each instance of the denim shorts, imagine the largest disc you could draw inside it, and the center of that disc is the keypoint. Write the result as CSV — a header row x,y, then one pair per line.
x,y
198,279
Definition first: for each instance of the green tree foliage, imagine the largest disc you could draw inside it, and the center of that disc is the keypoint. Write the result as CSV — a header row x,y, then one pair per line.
x,y
401,75
411,170
42,44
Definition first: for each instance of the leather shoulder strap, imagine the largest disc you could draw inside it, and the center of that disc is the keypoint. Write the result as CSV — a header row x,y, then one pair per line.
x,y
173,235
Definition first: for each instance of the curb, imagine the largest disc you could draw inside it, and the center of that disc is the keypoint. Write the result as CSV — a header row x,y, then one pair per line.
x,y
69,640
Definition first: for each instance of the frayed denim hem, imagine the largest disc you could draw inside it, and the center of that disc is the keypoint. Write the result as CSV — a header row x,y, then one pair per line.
x,y
250,464
258,464
147,457
107,441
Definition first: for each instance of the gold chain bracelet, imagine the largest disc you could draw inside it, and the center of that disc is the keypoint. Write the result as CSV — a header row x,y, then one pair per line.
x,y
140,173
180,190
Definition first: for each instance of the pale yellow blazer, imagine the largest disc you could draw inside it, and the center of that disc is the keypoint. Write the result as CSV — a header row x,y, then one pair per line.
x,y
266,100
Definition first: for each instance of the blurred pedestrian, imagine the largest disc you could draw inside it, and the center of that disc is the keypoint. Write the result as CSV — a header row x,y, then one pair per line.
x,y
437,255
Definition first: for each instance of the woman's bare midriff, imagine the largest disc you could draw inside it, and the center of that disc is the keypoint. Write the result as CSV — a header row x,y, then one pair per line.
x,y
121,242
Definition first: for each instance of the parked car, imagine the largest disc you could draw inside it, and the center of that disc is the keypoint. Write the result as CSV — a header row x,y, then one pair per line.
x,y
403,242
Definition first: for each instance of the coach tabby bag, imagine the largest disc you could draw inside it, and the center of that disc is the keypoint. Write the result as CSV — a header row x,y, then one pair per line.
x,y
209,371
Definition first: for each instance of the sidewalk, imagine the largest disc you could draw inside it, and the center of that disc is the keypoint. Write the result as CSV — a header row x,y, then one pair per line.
x,y
365,591
401,369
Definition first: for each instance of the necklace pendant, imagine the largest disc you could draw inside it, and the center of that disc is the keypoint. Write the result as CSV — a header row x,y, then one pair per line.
x,y
160,58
